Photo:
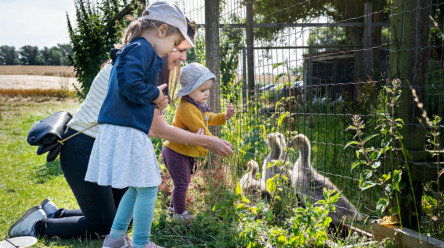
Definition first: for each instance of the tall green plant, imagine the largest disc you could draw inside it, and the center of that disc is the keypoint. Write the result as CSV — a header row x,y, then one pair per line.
x,y
370,159
97,30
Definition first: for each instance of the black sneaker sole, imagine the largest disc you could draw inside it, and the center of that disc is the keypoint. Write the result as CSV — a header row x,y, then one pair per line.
x,y
44,201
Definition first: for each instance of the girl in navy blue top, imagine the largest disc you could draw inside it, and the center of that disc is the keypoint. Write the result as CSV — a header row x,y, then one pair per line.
x,y
122,155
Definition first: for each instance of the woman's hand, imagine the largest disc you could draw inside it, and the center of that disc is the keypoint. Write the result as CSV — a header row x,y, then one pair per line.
x,y
220,146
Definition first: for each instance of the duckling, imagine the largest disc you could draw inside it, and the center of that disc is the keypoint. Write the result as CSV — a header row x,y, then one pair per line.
x,y
308,182
276,142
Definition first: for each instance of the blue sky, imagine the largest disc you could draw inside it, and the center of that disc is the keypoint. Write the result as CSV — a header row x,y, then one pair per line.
x,y
35,22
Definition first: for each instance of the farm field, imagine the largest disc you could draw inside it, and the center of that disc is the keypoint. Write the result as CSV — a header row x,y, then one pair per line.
x,y
42,70
36,77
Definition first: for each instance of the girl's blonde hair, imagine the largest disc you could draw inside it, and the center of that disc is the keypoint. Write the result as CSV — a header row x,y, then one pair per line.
x,y
137,26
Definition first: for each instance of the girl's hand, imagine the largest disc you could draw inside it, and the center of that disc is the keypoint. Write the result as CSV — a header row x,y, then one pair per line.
x,y
161,106
161,97
230,112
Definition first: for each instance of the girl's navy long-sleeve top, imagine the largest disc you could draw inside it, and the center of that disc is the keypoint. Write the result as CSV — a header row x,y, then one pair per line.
x,y
132,86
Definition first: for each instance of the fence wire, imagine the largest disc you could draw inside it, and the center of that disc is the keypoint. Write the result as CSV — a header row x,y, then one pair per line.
x,y
311,73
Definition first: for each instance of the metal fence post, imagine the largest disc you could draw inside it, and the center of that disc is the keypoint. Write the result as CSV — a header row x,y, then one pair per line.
x,y
212,55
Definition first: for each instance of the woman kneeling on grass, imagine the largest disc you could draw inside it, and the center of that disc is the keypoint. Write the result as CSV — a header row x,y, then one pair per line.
x,y
98,204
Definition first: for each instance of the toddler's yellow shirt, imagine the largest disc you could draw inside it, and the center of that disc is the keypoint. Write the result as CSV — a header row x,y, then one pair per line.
x,y
189,117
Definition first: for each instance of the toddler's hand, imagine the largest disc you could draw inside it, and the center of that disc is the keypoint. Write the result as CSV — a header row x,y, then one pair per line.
x,y
230,112
161,106
161,97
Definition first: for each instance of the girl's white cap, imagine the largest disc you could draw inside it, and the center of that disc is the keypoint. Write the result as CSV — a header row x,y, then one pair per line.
x,y
169,14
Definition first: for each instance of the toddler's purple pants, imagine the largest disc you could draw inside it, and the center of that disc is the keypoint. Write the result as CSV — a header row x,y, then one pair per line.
x,y
179,166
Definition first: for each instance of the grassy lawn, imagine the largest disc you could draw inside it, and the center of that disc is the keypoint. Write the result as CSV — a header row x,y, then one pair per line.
x,y
26,179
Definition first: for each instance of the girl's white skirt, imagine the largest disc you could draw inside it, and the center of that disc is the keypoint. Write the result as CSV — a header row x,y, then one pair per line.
x,y
123,157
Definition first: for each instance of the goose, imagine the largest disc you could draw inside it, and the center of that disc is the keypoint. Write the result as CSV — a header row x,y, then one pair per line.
x,y
276,143
309,183
249,184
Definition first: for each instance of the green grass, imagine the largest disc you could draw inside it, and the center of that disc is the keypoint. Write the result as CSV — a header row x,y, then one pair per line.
x,y
26,178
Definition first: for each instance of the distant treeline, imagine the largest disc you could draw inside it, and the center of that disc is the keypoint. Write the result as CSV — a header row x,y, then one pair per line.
x,y
32,55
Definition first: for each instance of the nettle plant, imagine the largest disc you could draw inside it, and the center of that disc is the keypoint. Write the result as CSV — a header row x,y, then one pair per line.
x,y
370,158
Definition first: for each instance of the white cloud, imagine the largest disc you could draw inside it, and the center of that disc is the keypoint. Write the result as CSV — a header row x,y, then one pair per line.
x,y
35,22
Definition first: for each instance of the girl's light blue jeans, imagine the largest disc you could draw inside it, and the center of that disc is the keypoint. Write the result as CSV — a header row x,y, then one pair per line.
x,y
137,203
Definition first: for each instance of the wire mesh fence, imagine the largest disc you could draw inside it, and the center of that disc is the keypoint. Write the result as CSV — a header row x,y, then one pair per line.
x,y
361,80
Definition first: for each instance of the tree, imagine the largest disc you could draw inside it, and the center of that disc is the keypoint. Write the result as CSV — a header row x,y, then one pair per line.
x,y
66,50
8,55
230,41
97,30
51,56
292,11
327,37
29,55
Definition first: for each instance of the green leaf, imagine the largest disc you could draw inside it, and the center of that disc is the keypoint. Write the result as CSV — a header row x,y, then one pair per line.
x,y
397,179
357,163
253,209
325,193
277,78
282,117
353,142
335,198
376,165
350,128
385,177
238,190
367,185
278,64
271,185
369,138
216,207
242,205
269,215
389,189
281,239
366,174
381,206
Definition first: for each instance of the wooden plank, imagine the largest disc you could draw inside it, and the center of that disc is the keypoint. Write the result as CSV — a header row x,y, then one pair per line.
x,y
404,237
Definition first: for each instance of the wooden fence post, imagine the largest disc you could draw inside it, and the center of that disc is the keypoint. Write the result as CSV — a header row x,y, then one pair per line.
x,y
410,29
212,55
250,49
368,58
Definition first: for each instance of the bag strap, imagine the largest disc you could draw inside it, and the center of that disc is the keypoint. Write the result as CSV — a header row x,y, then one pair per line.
x,y
71,136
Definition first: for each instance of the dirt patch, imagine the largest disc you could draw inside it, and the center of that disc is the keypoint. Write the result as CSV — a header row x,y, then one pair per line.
x,y
36,82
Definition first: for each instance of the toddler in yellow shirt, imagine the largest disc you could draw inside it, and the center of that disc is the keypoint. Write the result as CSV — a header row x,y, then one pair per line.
x,y
192,114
